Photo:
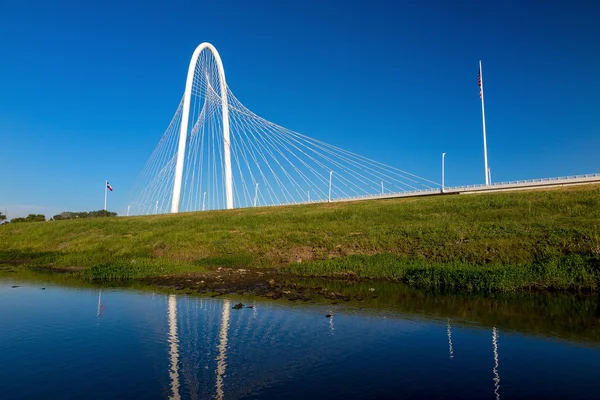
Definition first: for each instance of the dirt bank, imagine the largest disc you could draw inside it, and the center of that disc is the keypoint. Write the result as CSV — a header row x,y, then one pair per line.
x,y
269,283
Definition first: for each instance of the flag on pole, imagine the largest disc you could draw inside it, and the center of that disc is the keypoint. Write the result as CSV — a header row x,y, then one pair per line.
x,y
479,83
108,186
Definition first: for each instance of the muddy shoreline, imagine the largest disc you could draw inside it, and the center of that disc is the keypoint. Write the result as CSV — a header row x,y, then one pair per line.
x,y
268,283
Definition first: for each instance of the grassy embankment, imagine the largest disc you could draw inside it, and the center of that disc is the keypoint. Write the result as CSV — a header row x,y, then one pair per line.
x,y
510,241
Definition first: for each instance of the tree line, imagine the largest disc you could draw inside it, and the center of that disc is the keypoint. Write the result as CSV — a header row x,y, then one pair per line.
x,y
84,214
60,217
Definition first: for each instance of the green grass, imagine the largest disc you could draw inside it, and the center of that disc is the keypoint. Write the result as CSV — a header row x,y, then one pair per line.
x,y
547,239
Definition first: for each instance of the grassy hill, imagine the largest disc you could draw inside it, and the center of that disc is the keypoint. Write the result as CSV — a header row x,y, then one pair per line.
x,y
545,239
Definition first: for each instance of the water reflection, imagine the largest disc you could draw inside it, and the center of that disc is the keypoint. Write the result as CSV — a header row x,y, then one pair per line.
x,y
173,348
224,307
185,347
331,327
247,328
174,341
573,317
449,332
221,359
496,378
495,370
101,306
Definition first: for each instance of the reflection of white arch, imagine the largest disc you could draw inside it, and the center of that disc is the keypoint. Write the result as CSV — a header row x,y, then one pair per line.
x,y
184,127
495,370
222,357
173,348
449,331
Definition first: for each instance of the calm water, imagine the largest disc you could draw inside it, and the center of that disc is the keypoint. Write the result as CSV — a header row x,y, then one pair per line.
x,y
121,343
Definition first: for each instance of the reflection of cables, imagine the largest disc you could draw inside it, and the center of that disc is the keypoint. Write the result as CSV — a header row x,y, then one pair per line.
x,y
450,349
496,375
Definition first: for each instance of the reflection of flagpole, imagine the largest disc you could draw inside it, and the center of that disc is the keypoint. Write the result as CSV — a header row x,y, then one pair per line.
x,y
450,349
222,347
174,348
496,375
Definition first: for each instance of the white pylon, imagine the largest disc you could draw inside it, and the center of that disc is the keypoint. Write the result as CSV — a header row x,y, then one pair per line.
x,y
183,131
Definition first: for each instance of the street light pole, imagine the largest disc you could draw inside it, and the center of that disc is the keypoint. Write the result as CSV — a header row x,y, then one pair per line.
x,y
443,160
256,195
330,178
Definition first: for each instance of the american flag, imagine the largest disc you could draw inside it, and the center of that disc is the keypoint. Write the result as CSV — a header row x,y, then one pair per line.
x,y
109,187
479,83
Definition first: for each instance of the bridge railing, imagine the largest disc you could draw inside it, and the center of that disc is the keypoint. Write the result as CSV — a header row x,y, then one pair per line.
x,y
518,182
447,188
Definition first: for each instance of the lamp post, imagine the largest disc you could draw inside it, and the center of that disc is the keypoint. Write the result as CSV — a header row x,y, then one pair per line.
x,y
443,160
330,178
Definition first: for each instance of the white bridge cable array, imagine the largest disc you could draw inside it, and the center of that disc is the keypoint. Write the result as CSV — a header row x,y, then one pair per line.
x,y
271,165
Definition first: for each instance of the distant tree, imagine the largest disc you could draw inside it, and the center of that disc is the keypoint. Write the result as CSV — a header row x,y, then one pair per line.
x,y
2,217
104,213
64,215
36,218
84,214
30,218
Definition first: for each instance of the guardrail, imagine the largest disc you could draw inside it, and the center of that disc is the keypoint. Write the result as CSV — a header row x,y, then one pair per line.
x,y
560,178
467,188
454,189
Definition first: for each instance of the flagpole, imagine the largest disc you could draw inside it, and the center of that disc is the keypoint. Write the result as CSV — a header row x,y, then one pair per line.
x,y
105,189
485,158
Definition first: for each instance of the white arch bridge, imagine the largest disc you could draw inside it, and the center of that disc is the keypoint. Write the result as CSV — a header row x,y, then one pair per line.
x,y
217,154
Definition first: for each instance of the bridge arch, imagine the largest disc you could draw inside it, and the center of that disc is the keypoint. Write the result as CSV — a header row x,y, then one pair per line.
x,y
183,131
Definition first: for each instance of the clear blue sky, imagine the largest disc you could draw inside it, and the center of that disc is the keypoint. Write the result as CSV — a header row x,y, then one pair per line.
x,y
88,87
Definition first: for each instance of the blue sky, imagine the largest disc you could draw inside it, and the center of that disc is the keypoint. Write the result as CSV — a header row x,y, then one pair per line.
x,y
87,88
